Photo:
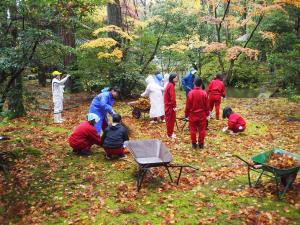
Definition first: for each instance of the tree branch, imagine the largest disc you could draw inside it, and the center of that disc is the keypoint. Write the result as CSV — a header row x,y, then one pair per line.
x,y
155,48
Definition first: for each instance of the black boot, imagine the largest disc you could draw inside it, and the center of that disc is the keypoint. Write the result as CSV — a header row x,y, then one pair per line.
x,y
194,145
201,146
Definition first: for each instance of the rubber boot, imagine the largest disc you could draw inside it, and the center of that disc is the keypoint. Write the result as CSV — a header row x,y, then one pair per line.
x,y
60,118
56,118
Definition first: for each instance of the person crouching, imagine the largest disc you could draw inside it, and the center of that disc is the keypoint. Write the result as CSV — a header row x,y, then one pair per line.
x,y
85,135
236,123
114,137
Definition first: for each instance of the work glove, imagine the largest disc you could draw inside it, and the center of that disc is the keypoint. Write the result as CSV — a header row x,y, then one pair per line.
x,y
225,129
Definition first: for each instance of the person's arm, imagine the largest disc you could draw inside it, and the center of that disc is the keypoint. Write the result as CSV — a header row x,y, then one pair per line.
x,y
188,105
223,90
104,135
231,124
146,92
184,82
104,104
62,81
173,96
93,136
209,88
206,105
125,134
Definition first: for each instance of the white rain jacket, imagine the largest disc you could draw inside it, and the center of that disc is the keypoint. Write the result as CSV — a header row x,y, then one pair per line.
x,y
155,93
58,93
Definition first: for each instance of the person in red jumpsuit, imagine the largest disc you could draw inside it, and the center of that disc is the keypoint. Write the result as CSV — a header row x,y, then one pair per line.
x,y
236,123
196,110
170,105
85,135
216,90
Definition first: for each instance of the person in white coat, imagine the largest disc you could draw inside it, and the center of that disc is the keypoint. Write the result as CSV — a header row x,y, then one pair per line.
x,y
58,85
155,93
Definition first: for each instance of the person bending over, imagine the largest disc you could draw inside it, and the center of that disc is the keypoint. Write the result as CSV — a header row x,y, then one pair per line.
x,y
236,123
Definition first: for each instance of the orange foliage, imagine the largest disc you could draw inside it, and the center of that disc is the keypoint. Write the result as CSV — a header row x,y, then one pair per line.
x,y
234,51
215,47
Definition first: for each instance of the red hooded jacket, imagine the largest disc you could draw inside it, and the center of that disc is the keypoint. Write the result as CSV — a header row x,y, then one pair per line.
x,y
216,87
235,121
84,136
196,103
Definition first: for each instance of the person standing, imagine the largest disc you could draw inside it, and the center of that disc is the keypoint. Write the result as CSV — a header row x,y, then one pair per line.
x,y
170,105
85,135
155,93
103,104
215,91
188,81
58,85
196,111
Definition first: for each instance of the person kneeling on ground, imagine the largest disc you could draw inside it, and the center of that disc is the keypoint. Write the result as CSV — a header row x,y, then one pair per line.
x,y
85,135
114,137
236,123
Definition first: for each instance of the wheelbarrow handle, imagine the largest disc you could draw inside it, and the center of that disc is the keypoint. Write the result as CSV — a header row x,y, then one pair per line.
x,y
183,165
248,163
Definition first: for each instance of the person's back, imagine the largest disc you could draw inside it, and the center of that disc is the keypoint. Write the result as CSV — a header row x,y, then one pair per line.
x,y
115,136
216,87
236,123
85,135
197,98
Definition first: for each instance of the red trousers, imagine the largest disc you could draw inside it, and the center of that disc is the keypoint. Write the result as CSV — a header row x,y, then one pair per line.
x,y
170,116
215,100
114,151
198,124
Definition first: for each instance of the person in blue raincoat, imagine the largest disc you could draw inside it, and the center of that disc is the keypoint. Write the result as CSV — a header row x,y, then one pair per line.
x,y
159,79
103,104
188,81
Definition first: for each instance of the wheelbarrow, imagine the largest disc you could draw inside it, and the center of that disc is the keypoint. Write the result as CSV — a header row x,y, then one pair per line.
x,y
136,111
285,176
152,153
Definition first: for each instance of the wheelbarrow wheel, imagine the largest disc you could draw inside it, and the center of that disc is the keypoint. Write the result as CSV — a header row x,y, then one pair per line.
x,y
136,113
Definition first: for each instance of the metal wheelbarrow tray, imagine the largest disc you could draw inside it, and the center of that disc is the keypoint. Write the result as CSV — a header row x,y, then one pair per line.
x,y
285,176
152,153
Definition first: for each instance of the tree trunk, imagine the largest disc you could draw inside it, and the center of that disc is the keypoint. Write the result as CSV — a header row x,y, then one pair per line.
x,y
114,17
15,98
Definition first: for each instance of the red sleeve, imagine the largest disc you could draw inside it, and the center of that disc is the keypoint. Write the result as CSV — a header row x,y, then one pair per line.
x,y
208,88
231,124
173,96
93,136
188,105
223,90
206,105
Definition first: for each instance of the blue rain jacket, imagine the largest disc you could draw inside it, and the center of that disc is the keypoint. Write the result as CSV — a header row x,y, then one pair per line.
x,y
188,82
101,105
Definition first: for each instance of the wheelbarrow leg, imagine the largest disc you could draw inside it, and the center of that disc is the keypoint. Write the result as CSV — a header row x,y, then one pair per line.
x,y
140,178
277,186
290,180
249,179
179,175
167,168
259,178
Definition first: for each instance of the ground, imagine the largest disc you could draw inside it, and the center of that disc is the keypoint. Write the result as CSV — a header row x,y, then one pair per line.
x,y
47,184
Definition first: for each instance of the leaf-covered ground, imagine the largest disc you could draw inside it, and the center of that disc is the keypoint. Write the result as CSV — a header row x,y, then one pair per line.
x,y
47,184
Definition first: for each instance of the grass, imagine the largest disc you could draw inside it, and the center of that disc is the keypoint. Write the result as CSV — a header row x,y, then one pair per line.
x,y
50,185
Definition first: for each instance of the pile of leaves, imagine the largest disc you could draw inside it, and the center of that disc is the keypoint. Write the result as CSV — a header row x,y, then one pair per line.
x,y
142,103
282,161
